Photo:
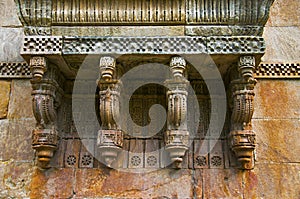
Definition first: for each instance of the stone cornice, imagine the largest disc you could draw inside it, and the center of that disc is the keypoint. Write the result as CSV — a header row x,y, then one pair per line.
x,y
38,16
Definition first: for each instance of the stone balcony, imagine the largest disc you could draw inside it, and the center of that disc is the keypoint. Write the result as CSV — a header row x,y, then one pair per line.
x,y
62,35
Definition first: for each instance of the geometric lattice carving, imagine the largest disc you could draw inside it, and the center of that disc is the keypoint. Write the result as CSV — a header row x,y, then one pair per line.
x,y
14,70
229,45
143,45
138,45
278,70
164,45
42,45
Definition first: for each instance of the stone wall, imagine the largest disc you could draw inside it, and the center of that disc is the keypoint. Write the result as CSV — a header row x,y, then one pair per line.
x,y
277,111
16,118
276,122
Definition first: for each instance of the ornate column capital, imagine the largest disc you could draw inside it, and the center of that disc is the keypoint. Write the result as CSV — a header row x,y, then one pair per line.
x,y
246,68
107,68
38,67
177,65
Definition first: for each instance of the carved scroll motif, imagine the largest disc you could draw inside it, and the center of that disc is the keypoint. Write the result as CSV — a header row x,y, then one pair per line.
x,y
177,135
242,138
45,102
110,138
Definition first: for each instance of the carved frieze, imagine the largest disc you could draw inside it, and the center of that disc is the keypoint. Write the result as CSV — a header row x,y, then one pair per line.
x,y
37,15
143,45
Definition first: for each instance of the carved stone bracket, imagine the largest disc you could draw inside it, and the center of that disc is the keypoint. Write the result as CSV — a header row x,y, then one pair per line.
x,y
46,95
177,135
110,138
241,137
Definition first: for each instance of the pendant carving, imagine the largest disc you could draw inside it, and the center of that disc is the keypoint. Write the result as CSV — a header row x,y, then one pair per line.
x,y
241,137
45,101
177,135
110,137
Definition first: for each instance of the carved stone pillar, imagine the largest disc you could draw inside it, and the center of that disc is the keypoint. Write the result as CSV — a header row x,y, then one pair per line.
x,y
46,97
110,137
177,135
242,138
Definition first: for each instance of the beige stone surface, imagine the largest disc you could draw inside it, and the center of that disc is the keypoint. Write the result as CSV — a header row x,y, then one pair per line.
x,y
277,140
222,183
18,142
284,13
119,31
15,179
4,125
277,99
52,183
282,44
164,183
8,14
4,96
198,183
270,181
10,44
20,104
